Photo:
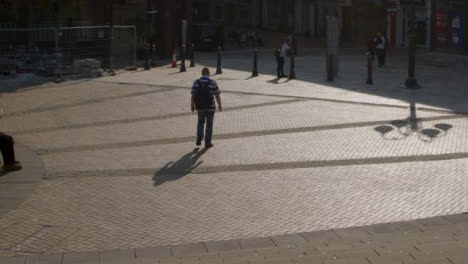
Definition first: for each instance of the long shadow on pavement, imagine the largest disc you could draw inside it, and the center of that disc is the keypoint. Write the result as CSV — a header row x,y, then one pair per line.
x,y
173,171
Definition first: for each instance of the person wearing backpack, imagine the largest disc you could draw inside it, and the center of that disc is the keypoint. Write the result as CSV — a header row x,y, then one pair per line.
x,y
204,90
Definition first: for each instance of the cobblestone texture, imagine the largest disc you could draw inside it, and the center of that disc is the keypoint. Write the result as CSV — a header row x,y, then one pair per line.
x,y
280,116
375,244
122,172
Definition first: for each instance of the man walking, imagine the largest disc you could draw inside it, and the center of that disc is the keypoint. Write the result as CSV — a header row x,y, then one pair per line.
x,y
381,49
204,90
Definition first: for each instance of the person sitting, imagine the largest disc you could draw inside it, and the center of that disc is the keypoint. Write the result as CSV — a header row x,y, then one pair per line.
x,y
8,152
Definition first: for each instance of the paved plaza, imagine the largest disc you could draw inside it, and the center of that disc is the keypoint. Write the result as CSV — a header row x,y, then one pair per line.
x,y
120,169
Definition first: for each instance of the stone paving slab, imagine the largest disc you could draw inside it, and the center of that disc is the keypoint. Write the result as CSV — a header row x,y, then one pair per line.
x,y
266,177
205,207
341,144
275,117
129,109
372,248
16,186
69,93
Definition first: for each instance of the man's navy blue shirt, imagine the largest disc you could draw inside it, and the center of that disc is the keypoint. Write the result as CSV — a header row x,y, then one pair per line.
x,y
204,90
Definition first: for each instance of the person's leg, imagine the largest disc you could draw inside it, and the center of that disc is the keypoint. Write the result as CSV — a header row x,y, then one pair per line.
x,y
8,152
278,71
282,66
379,57
200,126
384,57
209,127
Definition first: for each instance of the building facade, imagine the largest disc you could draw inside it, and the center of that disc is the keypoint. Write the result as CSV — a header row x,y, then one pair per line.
x,y
441,25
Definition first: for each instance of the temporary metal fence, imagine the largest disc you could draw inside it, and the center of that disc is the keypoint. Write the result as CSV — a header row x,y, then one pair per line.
x,y
68,50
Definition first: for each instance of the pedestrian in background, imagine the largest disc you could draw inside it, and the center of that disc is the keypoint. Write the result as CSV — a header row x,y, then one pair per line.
x,y
204,90
283,52
381,49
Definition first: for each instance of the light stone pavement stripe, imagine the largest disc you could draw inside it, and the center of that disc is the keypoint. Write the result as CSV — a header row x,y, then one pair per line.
x,y
67,93
234,135
340,144
154,106
174,171
142,119
282,117
84,103
127,212
384,105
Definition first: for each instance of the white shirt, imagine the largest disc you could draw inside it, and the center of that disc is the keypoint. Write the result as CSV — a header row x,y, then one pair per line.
x,y
284,49
382,44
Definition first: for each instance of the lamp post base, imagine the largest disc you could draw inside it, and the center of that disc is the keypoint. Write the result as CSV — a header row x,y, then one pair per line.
x,y
412,84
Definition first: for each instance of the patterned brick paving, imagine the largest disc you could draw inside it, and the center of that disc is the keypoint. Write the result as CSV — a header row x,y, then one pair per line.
x,y
122,172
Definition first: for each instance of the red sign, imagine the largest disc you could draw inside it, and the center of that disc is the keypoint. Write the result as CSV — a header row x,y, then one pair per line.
x,y
442,28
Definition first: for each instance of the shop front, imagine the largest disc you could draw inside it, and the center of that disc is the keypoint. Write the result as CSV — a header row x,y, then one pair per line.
x,y
450,26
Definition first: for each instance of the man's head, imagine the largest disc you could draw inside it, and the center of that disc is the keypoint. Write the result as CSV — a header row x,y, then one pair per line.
x,y
379,34
205,72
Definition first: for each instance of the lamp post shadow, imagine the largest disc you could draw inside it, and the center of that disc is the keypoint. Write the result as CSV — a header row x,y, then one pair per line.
x,y
173,171
401,129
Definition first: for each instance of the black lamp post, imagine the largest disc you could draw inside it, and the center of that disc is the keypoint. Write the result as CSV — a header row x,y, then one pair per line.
x,y
411,82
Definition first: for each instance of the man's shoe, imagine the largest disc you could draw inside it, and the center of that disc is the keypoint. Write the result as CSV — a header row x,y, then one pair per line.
x,y
198,143
12,167
207,146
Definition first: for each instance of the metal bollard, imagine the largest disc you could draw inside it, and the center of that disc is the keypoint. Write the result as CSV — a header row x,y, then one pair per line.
x,y
153,56
112,51
292,72
255,64
148,59
192,56
182,59
369,69
218,67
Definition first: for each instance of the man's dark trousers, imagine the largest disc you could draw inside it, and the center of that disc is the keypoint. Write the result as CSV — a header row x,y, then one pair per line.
x,y
280,67
381,54
208,116
6,146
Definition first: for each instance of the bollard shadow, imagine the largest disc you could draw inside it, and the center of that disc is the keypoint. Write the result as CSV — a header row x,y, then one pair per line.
x,y
174,73
401,129
278,80
173,171
274,81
